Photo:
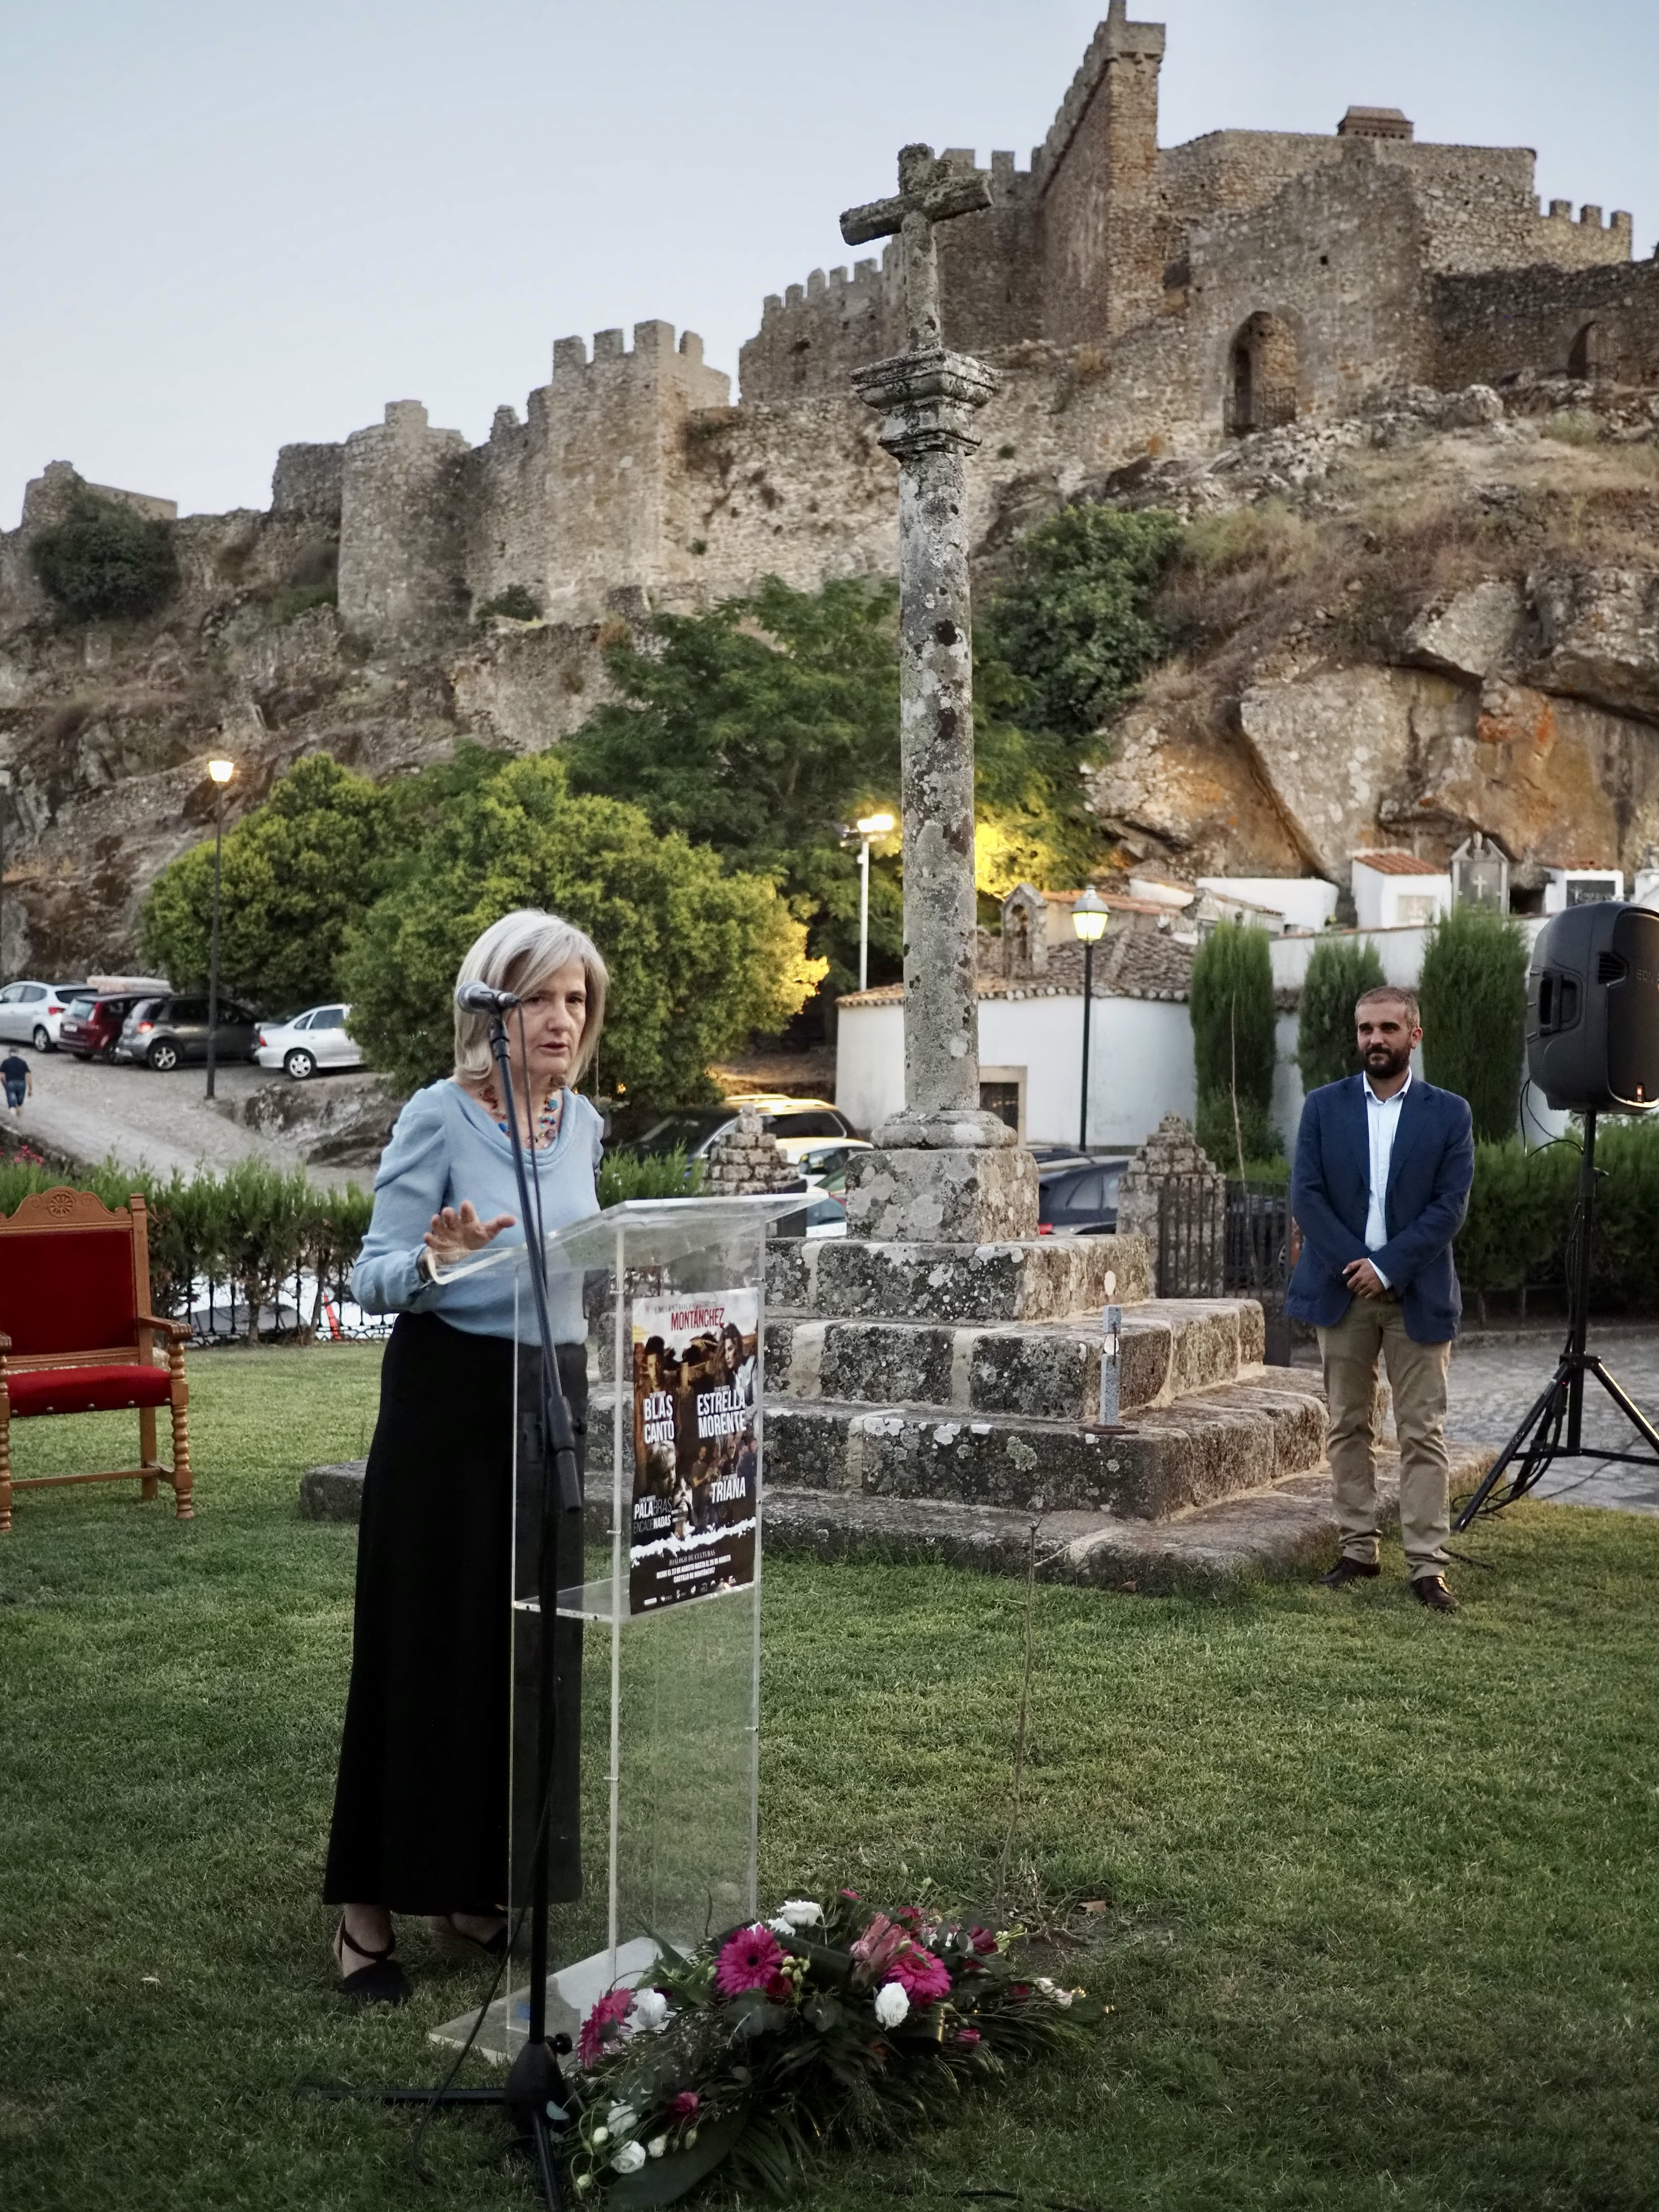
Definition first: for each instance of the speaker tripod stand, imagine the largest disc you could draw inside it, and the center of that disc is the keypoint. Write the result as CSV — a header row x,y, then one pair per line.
x,y
1554,1426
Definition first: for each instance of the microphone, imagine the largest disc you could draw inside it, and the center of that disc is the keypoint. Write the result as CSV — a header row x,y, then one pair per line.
x,y
479,999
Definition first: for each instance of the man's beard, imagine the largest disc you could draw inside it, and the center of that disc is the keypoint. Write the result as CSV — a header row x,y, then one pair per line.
x,y
1387,1060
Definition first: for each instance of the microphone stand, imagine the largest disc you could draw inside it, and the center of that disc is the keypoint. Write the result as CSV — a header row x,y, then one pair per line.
x,y
535,2094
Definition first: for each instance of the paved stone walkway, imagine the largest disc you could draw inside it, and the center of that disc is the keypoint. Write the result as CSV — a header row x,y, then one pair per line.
x,y
1495,1379
90,1108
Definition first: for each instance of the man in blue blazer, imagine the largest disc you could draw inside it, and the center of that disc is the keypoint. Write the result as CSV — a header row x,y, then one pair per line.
x,y
1381,1186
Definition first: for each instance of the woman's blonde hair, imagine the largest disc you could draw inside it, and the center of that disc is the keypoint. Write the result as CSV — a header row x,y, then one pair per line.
x,y
518,953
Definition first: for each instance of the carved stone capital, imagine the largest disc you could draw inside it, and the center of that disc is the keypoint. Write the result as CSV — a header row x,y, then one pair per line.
x,y
926,400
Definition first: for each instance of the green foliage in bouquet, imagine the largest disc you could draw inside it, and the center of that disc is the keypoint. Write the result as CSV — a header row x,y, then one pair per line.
x,y
829,2028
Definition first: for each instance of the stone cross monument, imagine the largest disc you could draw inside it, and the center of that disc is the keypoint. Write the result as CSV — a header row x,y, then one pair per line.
x,y
944,1169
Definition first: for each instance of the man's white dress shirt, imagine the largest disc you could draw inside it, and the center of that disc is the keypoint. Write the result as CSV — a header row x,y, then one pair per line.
x,y
1382,1122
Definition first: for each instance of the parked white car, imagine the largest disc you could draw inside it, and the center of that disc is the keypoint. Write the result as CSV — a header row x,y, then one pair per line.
x,y
33,1013
314,1040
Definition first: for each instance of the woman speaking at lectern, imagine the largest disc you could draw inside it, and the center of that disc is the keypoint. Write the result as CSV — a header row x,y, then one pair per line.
x,y
420,1804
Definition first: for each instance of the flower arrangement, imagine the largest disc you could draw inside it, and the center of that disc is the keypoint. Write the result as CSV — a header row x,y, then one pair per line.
x,y
830,2026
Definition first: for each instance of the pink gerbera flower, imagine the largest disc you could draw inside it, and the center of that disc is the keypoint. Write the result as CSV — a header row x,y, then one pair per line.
x,y
923,1977
748,1960
601,2023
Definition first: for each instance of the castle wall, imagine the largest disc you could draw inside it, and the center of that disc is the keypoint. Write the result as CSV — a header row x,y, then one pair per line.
x,y
308,484
1355,308
815,335
1493,324
401,527
1479,210
1104,247
611,432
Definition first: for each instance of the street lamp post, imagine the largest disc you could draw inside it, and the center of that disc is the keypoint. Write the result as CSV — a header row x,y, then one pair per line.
x,y
870,825
1090,916
222,771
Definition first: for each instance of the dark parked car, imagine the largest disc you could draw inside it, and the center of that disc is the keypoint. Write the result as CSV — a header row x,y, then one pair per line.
x,y
162,1033
91,1027
1079,1199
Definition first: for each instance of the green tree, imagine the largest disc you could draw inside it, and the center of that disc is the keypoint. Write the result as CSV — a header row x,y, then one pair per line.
x,y
699,958
299,873
1076,626
1340,969
766,727
106,563
762,729
1473,996
1231,1003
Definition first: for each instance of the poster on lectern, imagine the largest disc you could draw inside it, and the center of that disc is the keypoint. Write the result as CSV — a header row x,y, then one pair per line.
x,y
696,1464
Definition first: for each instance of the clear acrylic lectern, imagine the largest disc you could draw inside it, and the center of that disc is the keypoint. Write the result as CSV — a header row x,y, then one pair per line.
x,y
652,1815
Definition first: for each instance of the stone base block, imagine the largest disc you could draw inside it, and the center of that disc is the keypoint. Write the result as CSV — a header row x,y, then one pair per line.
x,y
970,1196
333,1492
1241,1436
1049,1279
1169,1348
1289,1529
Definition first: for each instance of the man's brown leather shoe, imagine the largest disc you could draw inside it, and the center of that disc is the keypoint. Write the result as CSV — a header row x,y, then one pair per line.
x,y
1349,1570
1431,1590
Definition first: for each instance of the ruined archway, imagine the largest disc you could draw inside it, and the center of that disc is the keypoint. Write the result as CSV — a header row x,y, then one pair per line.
x,y
1587,356
1263,365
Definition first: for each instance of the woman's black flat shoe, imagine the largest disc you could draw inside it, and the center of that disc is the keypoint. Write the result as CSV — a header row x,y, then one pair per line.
x,y
381,1981
442,1925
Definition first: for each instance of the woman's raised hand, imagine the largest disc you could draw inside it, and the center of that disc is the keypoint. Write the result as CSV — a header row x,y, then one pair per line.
x,y
455,1235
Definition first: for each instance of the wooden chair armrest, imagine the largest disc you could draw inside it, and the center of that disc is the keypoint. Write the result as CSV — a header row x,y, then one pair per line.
x,y
5,1341
177,1330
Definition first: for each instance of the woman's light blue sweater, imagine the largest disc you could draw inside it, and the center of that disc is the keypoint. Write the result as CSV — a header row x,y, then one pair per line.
x,y
445,1149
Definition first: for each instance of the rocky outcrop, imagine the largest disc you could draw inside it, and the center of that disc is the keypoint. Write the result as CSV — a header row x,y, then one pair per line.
x,y
1597,637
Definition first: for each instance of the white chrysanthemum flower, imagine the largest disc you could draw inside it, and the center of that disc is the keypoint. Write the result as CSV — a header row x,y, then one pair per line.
x,y
892,2003
800,1912
656,2147
630,2159
648,2013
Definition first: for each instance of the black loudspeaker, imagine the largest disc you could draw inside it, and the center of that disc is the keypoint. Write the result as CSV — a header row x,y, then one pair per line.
x,y
1593,1009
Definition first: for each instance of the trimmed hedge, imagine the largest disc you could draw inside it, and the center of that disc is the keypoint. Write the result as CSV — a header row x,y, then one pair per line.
x,y
1520,1211
259,1227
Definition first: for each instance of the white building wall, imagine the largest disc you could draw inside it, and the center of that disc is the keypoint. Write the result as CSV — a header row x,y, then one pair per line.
x,y
1306,901
1140,1064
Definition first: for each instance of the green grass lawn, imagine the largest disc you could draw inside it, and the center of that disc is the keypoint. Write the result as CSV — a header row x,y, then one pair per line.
x,y
1383,1920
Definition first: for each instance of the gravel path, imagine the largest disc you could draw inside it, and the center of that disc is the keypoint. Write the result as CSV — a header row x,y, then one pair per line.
x,y
89,1108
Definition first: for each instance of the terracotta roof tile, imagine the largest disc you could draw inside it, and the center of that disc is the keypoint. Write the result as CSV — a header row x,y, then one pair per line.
x,y
1398,864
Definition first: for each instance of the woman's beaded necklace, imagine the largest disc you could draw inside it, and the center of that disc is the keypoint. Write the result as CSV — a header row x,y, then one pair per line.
x,y
547,1129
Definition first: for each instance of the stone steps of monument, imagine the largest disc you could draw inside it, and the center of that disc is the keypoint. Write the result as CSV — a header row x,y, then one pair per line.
x,y
1051,1369
1284,1528
1206,1445
1049,1279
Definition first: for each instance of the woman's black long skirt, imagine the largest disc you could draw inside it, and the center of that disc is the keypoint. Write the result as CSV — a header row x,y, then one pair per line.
x,y
420,1804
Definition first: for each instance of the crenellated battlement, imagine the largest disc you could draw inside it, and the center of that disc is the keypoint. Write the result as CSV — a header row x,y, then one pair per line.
x,y
1589,217
653,355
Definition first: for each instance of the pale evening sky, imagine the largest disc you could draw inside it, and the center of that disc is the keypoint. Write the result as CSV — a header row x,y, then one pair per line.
x,y
229,226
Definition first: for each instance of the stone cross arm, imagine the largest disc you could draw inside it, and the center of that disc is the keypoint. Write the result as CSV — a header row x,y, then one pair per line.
x,y
927,187
930,190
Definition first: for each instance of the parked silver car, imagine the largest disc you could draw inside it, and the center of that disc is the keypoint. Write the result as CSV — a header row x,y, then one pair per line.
x,y
316,1039
33,1013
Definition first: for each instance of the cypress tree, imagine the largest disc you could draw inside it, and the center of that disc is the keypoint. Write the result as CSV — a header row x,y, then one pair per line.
x,y
1473,996
1231,1004
1342,968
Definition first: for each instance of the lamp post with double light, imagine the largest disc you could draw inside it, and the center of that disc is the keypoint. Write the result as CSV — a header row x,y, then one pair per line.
x,y
871,825
1089,918
222,771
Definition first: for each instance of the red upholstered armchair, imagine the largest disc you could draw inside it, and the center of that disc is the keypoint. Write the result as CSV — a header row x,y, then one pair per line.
x,y
77,1336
